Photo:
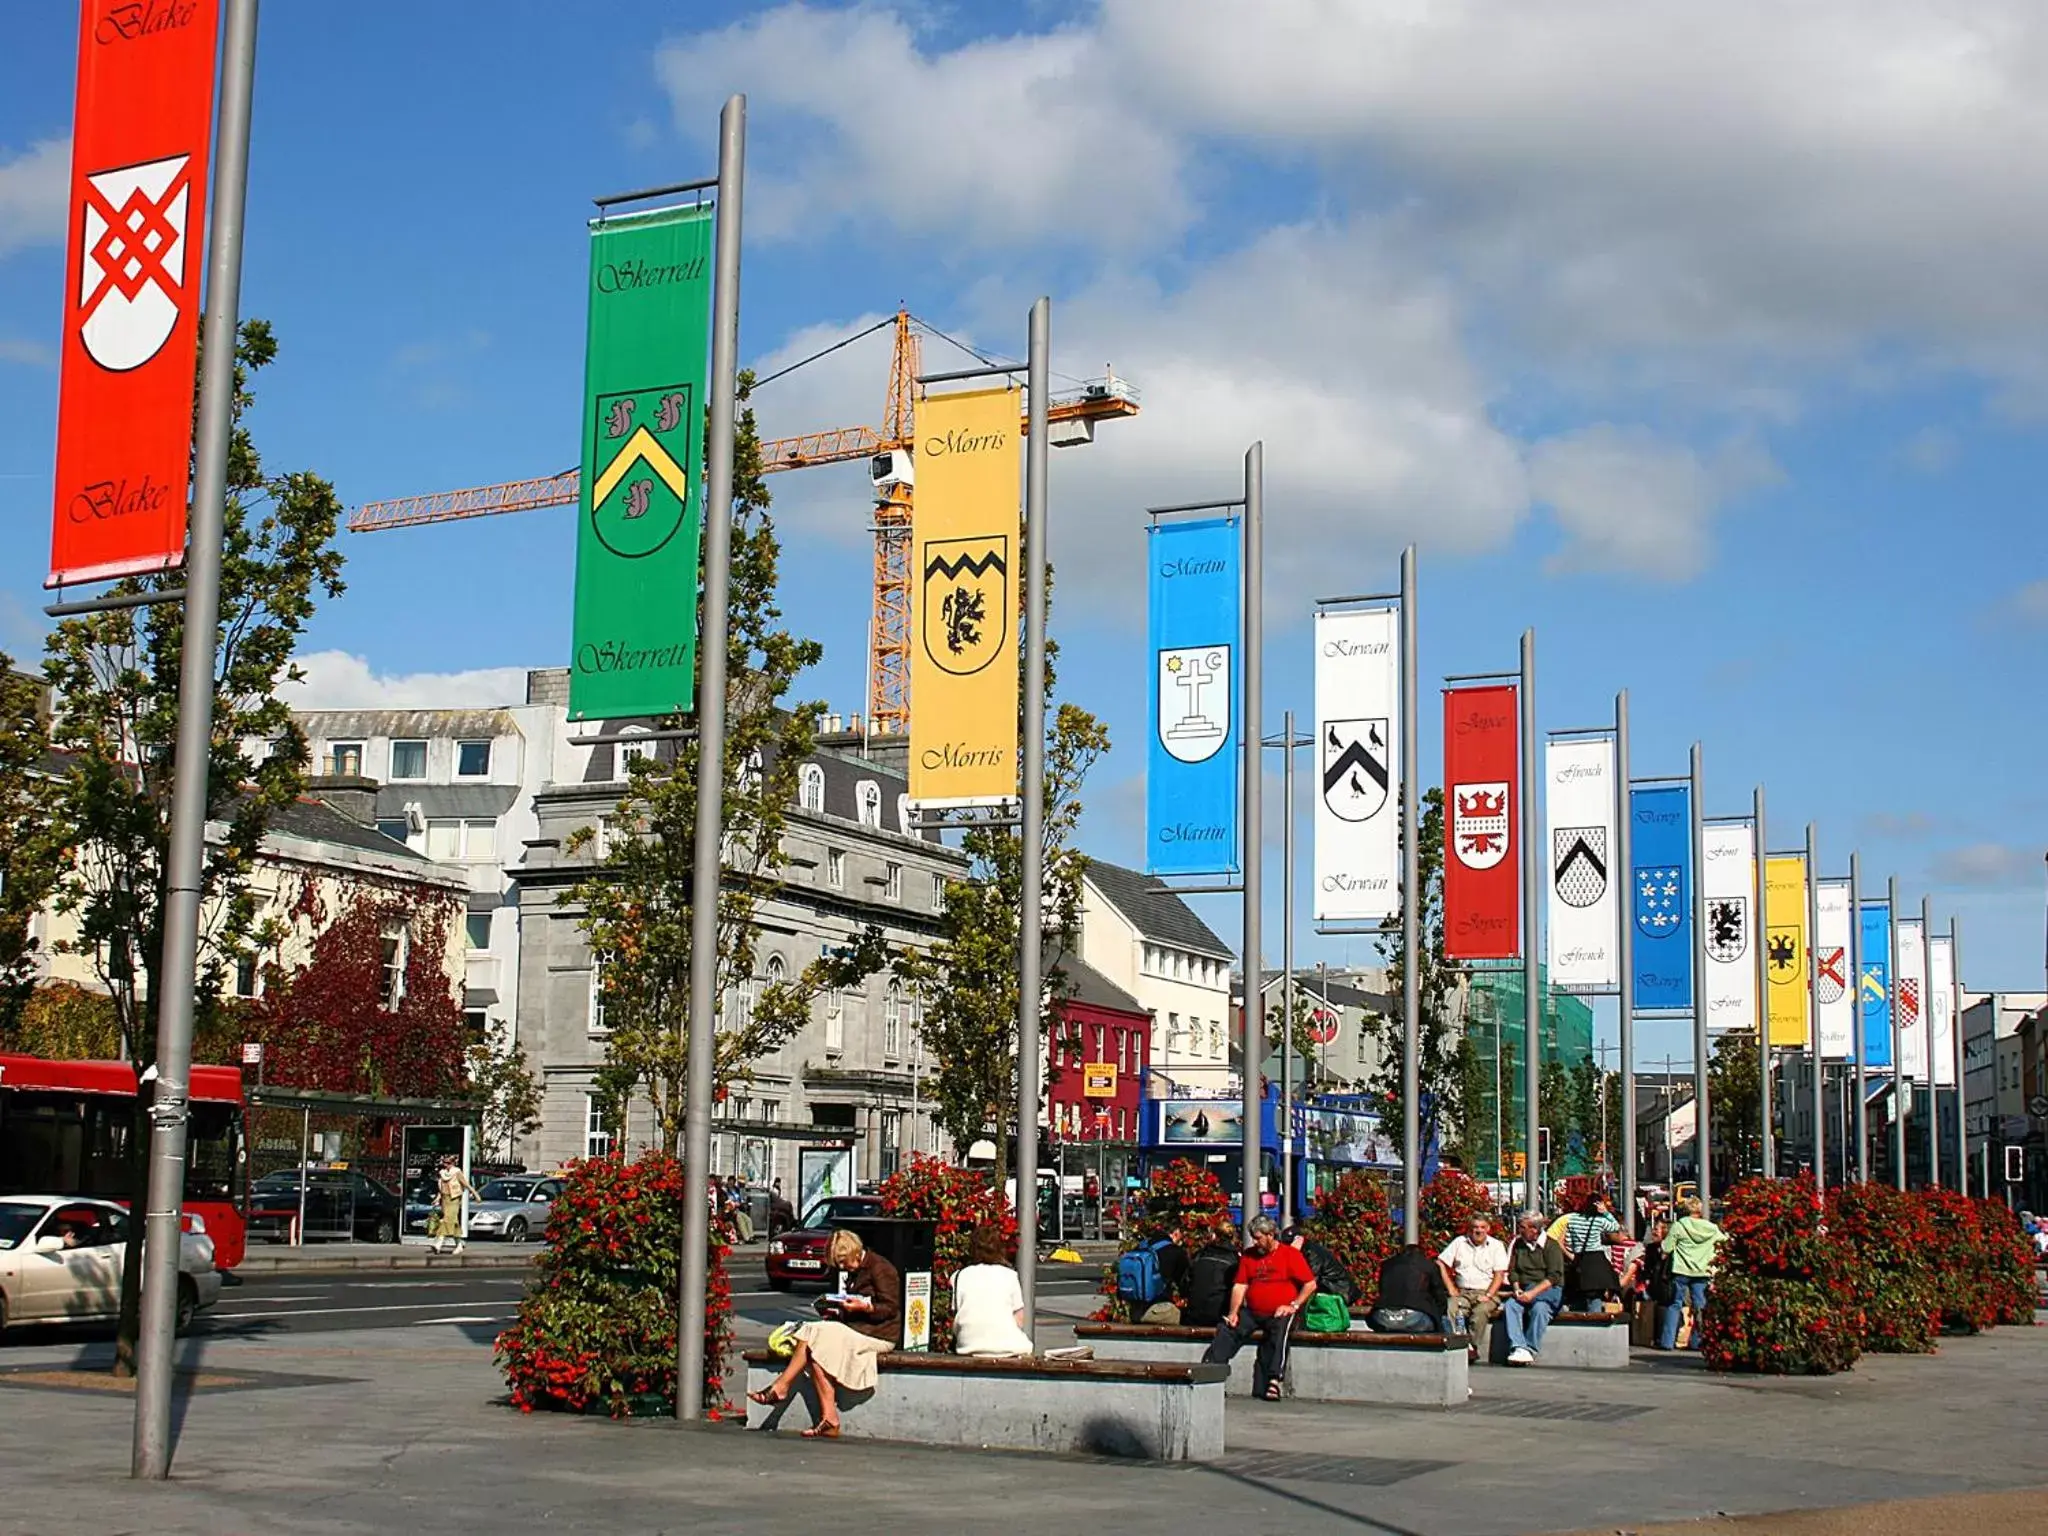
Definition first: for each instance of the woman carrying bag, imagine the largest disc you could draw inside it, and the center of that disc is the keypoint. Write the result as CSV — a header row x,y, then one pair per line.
x,y
1589,1271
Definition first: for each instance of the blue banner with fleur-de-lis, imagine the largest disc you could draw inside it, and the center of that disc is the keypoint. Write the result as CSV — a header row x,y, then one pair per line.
x,y
1661,895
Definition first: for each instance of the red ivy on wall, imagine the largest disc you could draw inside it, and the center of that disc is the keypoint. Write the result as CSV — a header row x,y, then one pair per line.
x,y
326,1026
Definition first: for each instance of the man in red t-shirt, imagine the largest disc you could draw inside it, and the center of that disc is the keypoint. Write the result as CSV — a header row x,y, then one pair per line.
x,y
1273,1283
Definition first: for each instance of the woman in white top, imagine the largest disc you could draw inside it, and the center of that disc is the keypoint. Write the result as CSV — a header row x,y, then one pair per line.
x,y
988,1300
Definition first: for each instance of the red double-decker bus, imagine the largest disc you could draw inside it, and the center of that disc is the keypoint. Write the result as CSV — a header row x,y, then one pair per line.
x,y
65,1128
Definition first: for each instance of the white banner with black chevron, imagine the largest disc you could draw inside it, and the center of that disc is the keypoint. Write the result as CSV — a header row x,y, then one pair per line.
x,y
1584,907
1728,887
1836,997
1941,1001
1357,758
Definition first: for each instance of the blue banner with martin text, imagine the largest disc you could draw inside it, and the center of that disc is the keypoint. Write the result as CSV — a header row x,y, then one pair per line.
x,y
1191,773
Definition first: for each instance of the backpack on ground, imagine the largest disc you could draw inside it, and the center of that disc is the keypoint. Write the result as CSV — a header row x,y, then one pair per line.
x,y
1211,1274
1138,1277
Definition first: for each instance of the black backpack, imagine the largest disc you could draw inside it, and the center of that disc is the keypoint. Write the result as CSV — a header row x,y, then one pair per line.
x,y
1332,1278
1211,1274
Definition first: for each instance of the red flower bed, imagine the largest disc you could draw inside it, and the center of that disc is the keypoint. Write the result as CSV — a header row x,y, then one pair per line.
x,y
1355,1222
1960,1257
1450,1201
1784,1298
2009,1265
1183,1194
1890,1238
598,1324
958,1200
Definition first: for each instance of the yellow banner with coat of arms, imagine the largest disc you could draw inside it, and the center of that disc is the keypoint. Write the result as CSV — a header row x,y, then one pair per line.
x,y
1785,941
965,557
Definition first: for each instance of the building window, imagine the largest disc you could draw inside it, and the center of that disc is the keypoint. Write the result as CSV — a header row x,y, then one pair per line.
x,y
938,892
248,977
345,759
867,800
472,759
453,840
835,1021
476,928
903,816
892,887
394,827
810,787
1216,1039
892,1021
476,1025
393,947
743,997
597,1132
892,1140
408,761
776,971
597,1023
835,866
1172,1031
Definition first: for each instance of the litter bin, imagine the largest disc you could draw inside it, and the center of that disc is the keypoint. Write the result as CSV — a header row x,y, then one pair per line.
x,y
911,1245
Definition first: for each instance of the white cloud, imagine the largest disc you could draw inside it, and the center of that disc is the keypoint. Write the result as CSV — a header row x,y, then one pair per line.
x,y
2030,603
30,354
340,680
1930,450
1629,501
1988,866
33,186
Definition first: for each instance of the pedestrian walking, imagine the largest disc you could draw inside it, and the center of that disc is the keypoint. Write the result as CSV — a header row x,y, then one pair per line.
x,y
1589,1270
449,1188
1535,1286
1273,1283
1474,1266
1693,1243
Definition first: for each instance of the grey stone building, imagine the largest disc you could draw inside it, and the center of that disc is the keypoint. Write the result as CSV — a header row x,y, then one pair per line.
x,y
856,1070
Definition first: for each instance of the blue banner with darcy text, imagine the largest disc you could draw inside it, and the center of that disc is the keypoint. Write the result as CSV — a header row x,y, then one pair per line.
x,y
1660,895
1191,771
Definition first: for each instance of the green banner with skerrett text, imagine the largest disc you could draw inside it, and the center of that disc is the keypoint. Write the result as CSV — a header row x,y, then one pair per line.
x,y
641,503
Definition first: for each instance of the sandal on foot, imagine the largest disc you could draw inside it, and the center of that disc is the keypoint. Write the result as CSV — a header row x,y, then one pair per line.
x,y
823,1431
765,1398
1273,1393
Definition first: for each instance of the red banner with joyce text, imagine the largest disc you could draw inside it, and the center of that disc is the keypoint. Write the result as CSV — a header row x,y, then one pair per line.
x,y
1482,824
137,220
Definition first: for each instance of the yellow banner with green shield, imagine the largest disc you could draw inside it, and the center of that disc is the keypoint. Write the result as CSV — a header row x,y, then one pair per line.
x,y
965,558
1785,941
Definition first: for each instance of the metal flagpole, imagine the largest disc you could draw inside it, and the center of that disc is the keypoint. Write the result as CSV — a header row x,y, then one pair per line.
x,y
1625,951
1703,1129
1286,1116
1955,1009
1820,1060
1862,1067
707,864
1532,973
1411,921
1757,933
169,1109
1901,1090
1254,658
1927,1019
1030,925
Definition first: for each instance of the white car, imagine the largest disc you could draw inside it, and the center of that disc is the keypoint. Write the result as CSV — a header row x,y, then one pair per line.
x,y
61,1261
513,1208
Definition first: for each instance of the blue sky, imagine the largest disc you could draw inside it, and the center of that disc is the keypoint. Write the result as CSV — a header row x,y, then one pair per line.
x,y
1709,343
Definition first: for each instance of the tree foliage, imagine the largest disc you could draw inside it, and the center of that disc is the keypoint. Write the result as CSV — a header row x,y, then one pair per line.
x,y
637,902
33,849
507,1089
116,678
1734,1091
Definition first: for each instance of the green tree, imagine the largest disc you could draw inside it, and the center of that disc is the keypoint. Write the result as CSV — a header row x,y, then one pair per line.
x,y
637,900
32,850
1733,1094
1445,1060
116,680
1302,1042
507,1089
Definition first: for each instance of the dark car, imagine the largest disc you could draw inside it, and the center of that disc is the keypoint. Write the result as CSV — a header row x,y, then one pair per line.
x,y
340,1203
799,1253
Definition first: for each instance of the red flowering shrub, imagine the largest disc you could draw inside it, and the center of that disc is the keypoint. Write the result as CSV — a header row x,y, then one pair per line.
x,y
958,1200
1449,1202
1355,1222
1890,1241
598,1323
1784,1298
1183,1194
1960,1257
2008,1265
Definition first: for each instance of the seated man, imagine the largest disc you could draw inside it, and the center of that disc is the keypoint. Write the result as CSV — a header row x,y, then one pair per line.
x,y
1211,1272
1273,1283
1411,1296
1535,1288
1473,1267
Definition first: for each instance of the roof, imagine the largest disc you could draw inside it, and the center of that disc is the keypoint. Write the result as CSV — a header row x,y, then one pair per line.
x,y
1157,914
117,1077
321,823
1090,986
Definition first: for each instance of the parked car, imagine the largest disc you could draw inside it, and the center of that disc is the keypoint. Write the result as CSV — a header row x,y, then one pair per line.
x,y
419,1205
799,1253
514,1209
62,1258
340,1203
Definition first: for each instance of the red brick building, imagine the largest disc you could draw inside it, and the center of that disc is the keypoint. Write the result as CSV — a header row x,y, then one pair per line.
x,y
1101,1023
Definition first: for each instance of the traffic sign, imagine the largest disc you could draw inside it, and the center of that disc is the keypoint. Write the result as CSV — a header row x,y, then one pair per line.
x,y
1322,1026
1098,1080
1516,1164
252,1053
2038,1105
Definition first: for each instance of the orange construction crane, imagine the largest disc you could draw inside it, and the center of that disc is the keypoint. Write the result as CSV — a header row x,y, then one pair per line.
x,y
888,450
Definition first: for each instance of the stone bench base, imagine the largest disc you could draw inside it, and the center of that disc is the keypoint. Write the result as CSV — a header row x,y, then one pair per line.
x,y
1575,1341
1156,1412
1416,1370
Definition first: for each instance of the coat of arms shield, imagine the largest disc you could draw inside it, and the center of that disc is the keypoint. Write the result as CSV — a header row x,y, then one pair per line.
x,y
1479,823
1356,773
1659,904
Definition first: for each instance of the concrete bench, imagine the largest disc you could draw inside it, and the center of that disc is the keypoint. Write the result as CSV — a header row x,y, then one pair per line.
x,y
1417,1369
1148,1411
1575,1341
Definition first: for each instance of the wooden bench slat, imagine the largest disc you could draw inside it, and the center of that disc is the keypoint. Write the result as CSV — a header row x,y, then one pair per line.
x,y
985,1365
1300,1339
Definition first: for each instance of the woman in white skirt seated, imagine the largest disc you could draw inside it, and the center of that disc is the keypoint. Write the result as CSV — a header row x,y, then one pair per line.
x,y
988,1300
861,1317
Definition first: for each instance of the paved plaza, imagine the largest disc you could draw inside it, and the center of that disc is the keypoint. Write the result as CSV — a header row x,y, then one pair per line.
x,y
404,1429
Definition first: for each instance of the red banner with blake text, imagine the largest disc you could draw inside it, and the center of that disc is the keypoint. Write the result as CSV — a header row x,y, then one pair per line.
x,y
1482,824
137,220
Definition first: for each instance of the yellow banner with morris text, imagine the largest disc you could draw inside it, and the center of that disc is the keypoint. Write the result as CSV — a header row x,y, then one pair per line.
x,y
1785,941
965,559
